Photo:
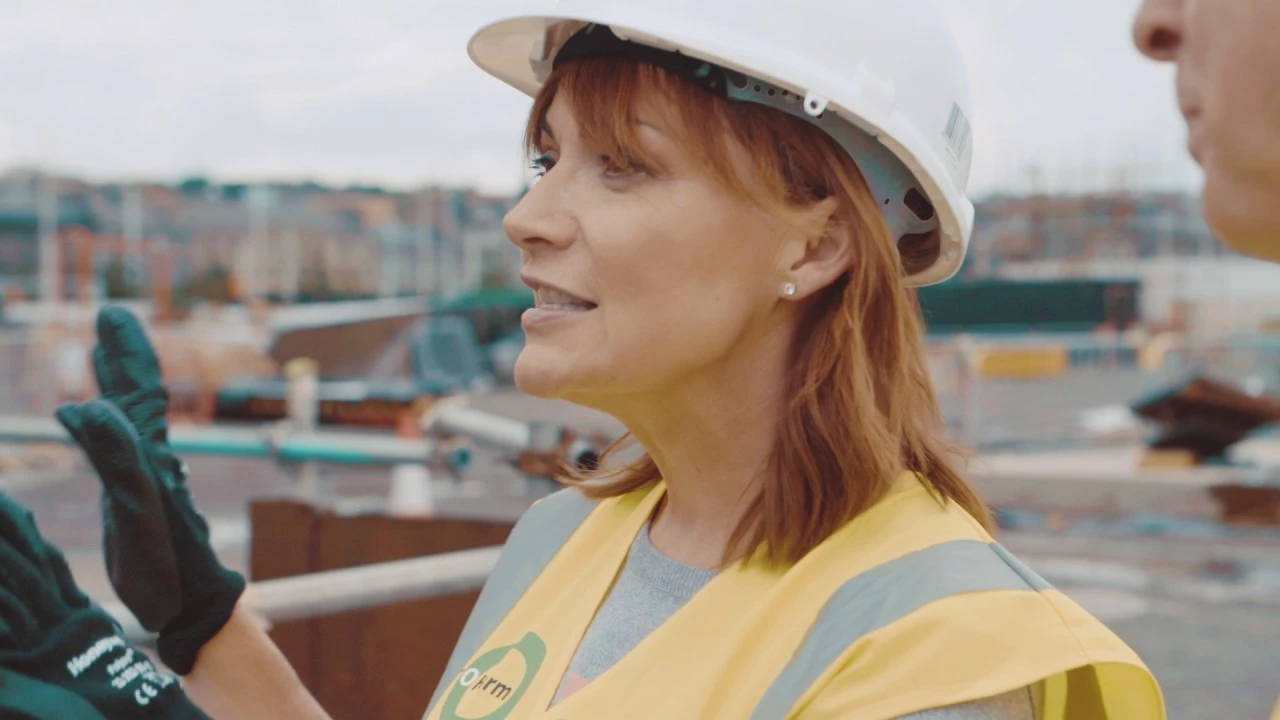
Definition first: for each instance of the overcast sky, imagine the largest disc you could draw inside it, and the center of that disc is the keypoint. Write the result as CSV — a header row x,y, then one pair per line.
x,y
382,91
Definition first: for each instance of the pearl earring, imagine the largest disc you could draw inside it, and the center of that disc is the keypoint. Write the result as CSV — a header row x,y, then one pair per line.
x,y
789,290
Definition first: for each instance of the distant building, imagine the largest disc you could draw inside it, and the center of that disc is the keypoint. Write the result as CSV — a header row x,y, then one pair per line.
x,y
1189,280
1075,229
20,228
282,242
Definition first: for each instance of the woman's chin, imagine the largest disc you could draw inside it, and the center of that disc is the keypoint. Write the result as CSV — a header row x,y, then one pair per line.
x,y
552,374
541,379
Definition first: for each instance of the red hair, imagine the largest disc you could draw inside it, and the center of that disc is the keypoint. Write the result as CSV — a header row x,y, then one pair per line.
x,y
863,408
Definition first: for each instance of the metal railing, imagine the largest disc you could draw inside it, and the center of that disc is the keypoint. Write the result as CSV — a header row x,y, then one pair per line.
x,y
323,593
334,591
295,441
512,436
273,442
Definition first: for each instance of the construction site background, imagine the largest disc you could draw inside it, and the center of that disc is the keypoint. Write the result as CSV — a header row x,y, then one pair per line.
x,y
1073,306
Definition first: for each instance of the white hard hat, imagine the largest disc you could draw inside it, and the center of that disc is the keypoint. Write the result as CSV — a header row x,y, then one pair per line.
x,y
889,68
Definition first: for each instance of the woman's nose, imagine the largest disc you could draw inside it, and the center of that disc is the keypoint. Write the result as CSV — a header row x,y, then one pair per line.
x,y
1157,29
540,219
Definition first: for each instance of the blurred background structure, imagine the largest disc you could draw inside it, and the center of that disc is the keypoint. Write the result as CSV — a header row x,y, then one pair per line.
x,y
337,310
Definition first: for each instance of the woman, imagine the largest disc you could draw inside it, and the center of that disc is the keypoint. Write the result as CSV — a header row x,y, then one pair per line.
x,y
721,254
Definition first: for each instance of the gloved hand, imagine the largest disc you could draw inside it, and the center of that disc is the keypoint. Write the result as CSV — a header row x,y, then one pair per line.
x,y
156,544
61,656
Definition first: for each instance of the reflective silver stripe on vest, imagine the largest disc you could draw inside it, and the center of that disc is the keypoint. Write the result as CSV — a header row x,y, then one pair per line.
x,y
536,538
888,593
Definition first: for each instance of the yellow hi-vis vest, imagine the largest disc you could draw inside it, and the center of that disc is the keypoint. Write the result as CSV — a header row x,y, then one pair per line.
x,y
910,606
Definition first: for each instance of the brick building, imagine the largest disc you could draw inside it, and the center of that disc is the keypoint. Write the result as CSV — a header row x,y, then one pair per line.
x,y
282,242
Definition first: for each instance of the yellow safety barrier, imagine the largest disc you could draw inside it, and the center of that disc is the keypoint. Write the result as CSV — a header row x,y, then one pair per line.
x,y
1022,363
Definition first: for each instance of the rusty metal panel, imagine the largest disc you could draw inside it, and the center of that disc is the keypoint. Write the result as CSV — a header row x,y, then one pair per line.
x,y
382,662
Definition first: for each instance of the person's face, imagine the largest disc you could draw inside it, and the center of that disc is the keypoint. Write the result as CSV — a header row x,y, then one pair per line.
x,y
1228,60
644,277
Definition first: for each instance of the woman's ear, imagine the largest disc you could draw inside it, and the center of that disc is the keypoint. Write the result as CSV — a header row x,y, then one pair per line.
x,y
820,254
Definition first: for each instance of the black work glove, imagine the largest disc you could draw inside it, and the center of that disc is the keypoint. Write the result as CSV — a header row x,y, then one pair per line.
x,y
156,544
61,656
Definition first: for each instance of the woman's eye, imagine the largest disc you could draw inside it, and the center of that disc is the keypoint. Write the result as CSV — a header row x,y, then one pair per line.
x,y
541,164
615,168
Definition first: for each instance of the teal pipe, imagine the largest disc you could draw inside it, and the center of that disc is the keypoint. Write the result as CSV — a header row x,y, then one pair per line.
x,y
267,443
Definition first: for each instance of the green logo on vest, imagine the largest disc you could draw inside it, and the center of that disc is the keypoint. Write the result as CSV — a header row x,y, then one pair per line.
x,y
491,686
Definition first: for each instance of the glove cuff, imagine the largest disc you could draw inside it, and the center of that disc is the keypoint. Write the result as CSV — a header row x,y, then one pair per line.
x,y
201,618
82,668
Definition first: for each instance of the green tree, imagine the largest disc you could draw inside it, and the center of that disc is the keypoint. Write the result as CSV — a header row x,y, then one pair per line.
x,y
213,284
117,283
316,285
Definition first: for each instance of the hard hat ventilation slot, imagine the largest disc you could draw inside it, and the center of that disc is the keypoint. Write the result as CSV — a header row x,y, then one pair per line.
x,y
919,251
918,204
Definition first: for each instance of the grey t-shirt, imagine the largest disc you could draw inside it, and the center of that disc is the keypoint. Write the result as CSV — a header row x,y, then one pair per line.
x,y
651,587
